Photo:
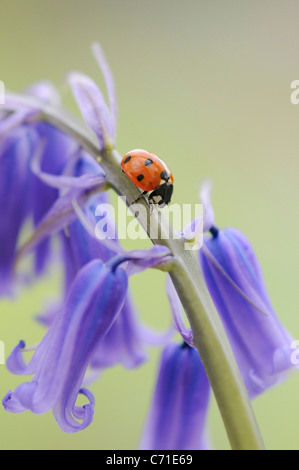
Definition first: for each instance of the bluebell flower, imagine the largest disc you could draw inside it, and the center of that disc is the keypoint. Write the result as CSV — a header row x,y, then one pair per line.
x,y
81,180
261,344
127,340
98,116
177,416
177,313
21,138
29,198
59,363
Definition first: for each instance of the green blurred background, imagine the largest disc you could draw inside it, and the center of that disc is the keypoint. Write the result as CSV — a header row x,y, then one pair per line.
x,y
205,85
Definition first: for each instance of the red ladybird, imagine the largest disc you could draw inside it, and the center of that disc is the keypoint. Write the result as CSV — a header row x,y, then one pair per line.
x,y
149,173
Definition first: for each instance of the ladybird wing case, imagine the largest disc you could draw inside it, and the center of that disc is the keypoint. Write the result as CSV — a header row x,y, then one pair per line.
x,y
161,168
144,169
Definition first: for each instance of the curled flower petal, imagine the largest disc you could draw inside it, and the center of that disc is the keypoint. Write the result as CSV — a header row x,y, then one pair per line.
x,y
177,416
38,197
10,123
140,260
61,359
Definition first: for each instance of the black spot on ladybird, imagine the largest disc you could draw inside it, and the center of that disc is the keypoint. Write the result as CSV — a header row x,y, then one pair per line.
x,y
127,159
165,175
140,177
148,162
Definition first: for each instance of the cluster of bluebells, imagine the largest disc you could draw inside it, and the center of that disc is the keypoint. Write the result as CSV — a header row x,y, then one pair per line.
x,y
96,325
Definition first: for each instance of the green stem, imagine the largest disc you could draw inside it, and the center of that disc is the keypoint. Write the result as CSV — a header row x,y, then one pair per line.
x,y
208,332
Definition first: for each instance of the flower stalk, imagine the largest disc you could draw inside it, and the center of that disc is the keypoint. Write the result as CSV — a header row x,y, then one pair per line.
x,y
208,333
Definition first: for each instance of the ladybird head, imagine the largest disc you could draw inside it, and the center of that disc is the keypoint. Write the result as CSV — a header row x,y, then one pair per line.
x,y
162,195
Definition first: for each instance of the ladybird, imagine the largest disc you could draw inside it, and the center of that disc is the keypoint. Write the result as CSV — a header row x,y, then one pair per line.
x,y
149,173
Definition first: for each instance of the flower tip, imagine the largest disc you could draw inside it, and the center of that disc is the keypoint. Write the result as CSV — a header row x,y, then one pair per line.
x,y
6,399
74,76
205,198
97,50
21,344
206,187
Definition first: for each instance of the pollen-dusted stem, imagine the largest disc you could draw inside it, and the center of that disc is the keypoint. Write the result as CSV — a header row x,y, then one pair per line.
x,y
208,332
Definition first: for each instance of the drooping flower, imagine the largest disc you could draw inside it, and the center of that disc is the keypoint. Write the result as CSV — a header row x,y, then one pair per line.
x,y
126,341
177,416
81,182
72,186
29,198
193,232
60,361
261,344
